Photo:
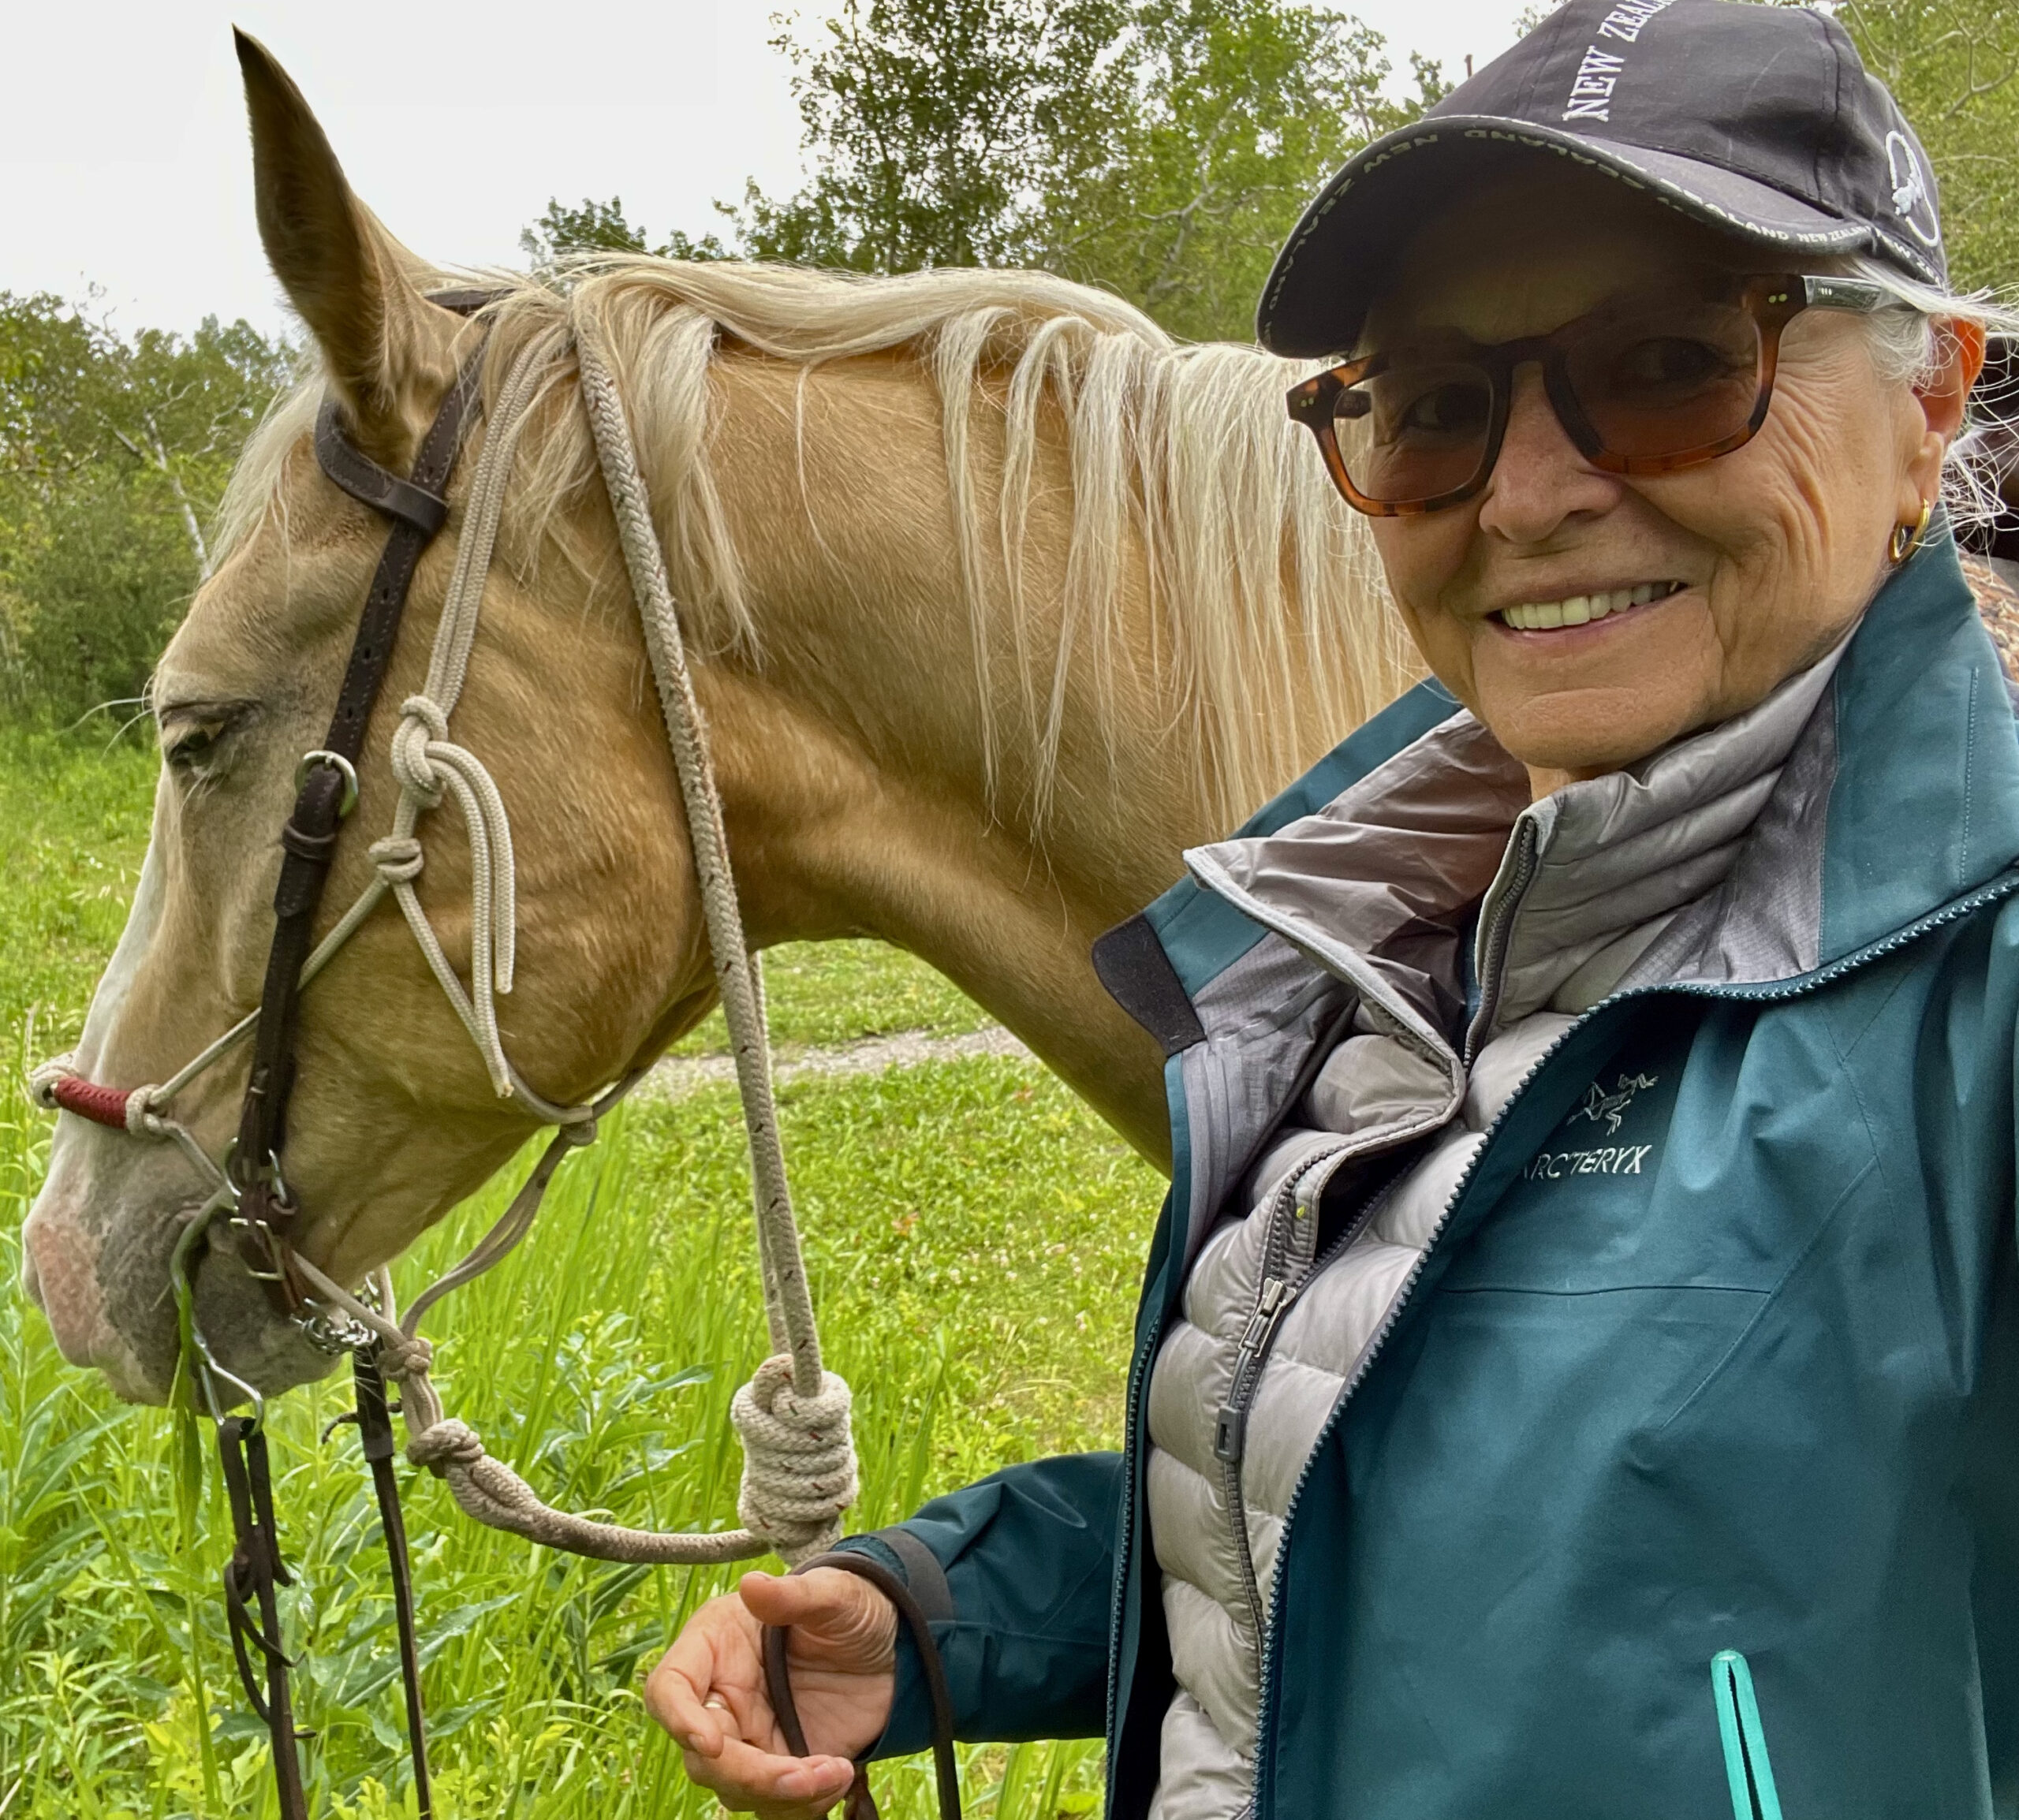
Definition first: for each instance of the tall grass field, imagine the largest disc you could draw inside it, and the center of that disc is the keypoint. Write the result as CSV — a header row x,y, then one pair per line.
x,y
974,1237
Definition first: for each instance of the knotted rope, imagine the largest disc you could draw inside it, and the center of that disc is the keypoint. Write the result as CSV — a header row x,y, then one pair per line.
x,y
792,1417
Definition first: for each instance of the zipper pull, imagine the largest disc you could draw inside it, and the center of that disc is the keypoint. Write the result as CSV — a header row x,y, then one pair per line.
x,y
1231,1427
1268,1306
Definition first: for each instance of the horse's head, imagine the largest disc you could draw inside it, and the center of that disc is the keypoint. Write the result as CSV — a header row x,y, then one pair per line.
x,y
394,1117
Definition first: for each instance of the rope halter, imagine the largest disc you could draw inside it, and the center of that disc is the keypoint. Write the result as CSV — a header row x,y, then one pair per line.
x,y
793,1416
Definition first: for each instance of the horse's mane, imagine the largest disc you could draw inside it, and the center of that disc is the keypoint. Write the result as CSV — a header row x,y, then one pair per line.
x,y
1270,620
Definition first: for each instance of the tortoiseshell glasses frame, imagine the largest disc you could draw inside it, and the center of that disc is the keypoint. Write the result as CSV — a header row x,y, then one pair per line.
x,y
1663,425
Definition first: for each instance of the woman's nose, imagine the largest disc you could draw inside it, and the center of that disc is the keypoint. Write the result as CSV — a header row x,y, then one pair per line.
x,y
1541,478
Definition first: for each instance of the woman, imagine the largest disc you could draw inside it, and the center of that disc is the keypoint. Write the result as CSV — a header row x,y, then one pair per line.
x,y
1579,1362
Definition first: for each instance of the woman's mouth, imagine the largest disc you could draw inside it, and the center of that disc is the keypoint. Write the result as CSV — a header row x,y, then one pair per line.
x,y
1582,609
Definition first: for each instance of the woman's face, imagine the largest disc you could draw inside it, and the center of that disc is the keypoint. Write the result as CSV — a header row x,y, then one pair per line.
x,y
1758,561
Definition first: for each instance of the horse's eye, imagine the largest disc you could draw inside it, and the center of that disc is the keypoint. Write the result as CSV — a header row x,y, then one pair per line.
x,y
190,743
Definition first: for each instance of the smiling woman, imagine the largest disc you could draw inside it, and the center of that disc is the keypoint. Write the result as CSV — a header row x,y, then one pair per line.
x,y
1764,457
1577,1370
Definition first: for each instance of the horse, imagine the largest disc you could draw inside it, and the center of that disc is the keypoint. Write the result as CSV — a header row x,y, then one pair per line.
x,y
997,597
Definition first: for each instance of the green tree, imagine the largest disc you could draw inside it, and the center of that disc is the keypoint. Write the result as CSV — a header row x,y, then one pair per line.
x,y
593,227
1240,110
1954,67
937,127
114,453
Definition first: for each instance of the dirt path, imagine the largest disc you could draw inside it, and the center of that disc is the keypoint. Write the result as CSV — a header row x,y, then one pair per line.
x,y
678,1075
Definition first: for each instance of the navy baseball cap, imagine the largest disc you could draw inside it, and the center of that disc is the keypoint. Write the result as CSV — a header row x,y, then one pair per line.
x,y
1758,120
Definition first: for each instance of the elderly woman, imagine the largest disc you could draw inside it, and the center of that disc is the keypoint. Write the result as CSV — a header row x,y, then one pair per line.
x,y
1578,1371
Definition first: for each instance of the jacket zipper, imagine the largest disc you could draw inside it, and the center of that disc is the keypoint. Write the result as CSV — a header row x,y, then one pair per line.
x,y
1277,1295
1748,1771
1767,994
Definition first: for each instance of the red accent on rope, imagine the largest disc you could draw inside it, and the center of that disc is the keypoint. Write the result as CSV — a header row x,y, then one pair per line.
x,y
101,1105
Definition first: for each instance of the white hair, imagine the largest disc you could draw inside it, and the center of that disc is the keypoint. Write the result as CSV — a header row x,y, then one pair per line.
x,y
1912,345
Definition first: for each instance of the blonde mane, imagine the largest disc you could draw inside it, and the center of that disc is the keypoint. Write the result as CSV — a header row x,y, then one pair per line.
x,y
1270,628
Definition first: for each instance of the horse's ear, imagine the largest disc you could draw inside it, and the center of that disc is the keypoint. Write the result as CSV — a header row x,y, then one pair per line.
x,y
345,275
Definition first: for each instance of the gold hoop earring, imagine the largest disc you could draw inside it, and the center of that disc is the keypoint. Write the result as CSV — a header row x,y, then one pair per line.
x,y
1907,538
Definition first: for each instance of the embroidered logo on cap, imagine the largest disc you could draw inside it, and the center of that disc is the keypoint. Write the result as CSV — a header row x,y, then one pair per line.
x,y
1911,200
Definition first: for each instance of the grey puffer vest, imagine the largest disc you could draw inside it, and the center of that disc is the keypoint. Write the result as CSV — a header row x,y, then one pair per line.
x,y
1281,1305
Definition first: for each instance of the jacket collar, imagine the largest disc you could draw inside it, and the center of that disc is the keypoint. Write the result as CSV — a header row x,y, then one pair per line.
x,y
1902,796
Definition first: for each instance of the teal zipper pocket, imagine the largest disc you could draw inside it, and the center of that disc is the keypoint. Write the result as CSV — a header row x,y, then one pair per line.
x,y
1747,1768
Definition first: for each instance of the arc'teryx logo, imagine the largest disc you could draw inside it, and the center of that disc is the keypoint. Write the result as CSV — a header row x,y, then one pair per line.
x,y
1602,1106
1611,1107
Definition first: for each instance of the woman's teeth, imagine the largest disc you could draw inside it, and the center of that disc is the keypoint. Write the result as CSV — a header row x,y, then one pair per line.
x,y
1581,609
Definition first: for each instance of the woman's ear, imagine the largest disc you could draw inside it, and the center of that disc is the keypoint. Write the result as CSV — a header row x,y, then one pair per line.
x,y
1943,399
355,286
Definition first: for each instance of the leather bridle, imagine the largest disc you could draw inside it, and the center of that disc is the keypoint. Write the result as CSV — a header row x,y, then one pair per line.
x,y
327,791
267,1213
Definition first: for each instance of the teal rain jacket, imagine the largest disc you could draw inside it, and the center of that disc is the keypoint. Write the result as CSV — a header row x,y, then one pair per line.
x,y
1761,1396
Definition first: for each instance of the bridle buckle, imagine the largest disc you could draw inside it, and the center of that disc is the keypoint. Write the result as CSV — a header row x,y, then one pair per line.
x,y
323,756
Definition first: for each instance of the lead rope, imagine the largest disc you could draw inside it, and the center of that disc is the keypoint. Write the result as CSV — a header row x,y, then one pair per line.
x,y
799,1471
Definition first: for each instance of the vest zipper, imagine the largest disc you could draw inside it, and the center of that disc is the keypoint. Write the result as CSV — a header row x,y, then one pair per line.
x,y
1771,993
1274,1300
1493,945
1230,1438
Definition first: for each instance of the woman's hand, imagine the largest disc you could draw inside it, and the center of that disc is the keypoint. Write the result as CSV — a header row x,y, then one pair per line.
x,y
708,1690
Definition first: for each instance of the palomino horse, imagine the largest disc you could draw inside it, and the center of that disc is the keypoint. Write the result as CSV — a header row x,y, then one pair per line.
x,y
997,599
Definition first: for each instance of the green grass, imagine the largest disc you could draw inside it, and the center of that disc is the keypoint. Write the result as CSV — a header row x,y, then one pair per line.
x,y
973,1236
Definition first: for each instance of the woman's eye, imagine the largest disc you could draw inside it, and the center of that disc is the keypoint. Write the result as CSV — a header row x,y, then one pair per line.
x,y
1671,363
1446,410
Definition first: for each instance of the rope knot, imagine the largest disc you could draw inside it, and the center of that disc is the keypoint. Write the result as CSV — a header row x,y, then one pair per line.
x,y
402,1360
398,858
42,1081
799,1470
141,1119
448,1443
421,720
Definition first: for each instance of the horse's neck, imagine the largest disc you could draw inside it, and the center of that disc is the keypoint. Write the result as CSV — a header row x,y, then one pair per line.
x,y
856,771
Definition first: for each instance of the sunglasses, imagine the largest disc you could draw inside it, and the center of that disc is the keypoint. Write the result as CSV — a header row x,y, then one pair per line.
x,y
1645,384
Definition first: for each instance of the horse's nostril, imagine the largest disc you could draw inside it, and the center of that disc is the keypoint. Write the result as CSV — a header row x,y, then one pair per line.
x,y
59,1270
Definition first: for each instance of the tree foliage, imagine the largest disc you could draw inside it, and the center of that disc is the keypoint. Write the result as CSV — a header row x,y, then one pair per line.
x,y
939,129
595,227
1239,109
113,455
1954,67
1161,148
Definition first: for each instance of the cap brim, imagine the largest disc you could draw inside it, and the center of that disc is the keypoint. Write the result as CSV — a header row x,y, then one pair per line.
x,y
1326,274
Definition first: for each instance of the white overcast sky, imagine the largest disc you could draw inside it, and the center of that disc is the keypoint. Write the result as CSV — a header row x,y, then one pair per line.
x,y
123,159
